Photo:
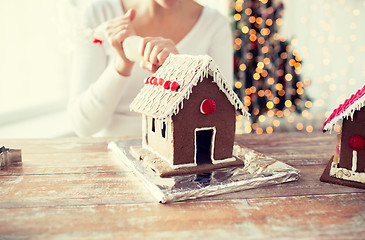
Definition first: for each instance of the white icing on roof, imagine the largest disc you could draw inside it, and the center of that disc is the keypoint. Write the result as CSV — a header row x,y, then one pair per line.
x,y
187,71
345,110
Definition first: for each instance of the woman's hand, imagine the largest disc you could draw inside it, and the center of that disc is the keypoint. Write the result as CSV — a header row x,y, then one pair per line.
x,y
155,50
115,31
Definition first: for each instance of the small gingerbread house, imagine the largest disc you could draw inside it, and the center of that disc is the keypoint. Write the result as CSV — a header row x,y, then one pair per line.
x,y
189,112
348,163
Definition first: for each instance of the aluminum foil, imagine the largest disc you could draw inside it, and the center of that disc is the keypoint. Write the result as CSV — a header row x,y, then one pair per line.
x,y
9,156
259,170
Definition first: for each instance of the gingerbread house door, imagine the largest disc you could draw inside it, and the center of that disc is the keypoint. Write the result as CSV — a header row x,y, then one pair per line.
x,y
204,145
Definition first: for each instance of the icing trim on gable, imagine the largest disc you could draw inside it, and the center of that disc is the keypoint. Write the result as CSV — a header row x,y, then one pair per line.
x,y
345,110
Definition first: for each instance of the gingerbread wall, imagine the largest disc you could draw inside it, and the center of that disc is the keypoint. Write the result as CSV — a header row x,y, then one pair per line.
x,y
350,128
156,141
189,118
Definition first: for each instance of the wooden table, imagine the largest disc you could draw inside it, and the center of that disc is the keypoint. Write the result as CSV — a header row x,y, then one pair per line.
x,y
76,189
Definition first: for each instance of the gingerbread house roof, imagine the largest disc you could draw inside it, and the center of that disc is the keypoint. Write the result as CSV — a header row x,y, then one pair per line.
x,y
164,92
345,110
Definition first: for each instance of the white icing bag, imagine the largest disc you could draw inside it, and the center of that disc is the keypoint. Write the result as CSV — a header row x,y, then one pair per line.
x,y
130,46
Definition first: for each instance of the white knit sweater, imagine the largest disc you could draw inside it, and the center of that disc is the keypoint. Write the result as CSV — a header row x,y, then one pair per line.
x,y
100,97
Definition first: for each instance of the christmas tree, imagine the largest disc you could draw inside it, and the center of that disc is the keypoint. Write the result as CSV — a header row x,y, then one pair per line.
x,y
266,69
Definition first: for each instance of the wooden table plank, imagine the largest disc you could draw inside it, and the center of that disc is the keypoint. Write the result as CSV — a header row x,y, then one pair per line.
x,y
72,189
294,149
327,217
59,163
124,187
308,184
60,145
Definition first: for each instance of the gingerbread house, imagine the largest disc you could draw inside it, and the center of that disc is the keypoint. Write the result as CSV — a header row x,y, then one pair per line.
x,y
347,167
189,112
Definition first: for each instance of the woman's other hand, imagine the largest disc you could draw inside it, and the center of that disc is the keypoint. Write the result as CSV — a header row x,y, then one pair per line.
x,y
115,31
155,50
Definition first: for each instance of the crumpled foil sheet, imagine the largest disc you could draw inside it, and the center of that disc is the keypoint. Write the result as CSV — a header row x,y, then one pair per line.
x,y
9,156
259,170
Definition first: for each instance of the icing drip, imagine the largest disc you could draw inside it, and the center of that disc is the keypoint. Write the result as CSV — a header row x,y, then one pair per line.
x,y
354,160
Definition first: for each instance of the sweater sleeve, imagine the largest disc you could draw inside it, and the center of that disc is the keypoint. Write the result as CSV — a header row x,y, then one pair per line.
x,y
95,85
221,49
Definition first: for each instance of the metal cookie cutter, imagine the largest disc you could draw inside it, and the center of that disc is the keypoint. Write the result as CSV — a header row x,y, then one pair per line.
x,y
9,156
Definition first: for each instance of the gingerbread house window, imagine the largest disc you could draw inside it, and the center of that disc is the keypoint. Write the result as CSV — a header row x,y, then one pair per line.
x,y
153,125
163,130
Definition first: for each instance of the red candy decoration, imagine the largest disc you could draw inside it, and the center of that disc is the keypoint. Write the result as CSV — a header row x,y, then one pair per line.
x,y
98,41
356,142
174,86
167,84
160,81
208,106
153,81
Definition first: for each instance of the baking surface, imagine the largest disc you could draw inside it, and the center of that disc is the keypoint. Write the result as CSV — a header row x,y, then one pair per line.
x,y
74,188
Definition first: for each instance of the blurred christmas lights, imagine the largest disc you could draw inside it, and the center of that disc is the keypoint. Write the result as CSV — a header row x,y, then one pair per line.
x,y
268,66
266,69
